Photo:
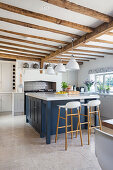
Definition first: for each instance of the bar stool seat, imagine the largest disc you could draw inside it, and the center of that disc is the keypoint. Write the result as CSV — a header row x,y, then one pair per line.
x,y
69,105
90,105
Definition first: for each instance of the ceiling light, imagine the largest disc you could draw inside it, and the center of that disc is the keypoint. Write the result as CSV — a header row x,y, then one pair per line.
x,y
60,68
50,70
72,64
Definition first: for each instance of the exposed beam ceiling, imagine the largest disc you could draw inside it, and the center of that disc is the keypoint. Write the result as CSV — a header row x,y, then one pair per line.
x,y
76,53
66,59
90,51
76,59
24,46
18,57
33,36
80,9
27,41
44,17
23,54
67,56
64,62
21,50
20,16
110,33
98,31
102,41
95,46
29,25
57,61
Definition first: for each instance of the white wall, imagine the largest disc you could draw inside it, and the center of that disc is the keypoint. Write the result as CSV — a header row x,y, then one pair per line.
x,y
71,77
83,75
34,75
19,70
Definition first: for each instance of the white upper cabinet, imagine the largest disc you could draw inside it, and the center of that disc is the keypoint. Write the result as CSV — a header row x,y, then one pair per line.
x,y
6,77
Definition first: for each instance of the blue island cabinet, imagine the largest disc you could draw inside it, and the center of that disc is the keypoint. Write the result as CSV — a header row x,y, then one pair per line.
x,y
33,113
42,116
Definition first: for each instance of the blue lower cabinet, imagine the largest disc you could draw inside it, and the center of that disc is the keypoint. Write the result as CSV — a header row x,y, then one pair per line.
x,y
33,112
42,115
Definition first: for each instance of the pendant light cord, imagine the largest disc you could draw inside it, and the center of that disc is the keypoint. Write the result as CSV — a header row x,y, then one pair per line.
x,y
72,48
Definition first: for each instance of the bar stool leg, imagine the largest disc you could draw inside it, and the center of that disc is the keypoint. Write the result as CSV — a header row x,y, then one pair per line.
x,y
88,129
80,128
71,125
66,131
90,119
77,129
99,119
57,125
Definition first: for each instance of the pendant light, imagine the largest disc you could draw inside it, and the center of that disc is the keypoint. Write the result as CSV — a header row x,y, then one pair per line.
x,y
60,68
50,70
72,64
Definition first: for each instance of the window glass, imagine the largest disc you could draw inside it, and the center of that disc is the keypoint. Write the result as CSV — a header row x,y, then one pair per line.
x,y
99,83
109,81
103,82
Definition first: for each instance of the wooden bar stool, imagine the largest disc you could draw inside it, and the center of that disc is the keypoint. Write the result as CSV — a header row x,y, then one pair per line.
x,y
90,105
69,105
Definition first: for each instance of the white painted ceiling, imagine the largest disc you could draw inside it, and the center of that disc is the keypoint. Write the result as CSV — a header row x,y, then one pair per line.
x,y
39,6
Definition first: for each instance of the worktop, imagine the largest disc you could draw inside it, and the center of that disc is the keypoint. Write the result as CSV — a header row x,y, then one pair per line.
x,y
41,111
52,96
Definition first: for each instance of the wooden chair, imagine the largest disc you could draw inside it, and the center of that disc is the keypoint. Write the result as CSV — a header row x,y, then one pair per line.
x,y
69,105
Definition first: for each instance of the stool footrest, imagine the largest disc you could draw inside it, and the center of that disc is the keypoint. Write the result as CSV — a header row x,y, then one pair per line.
x,y
84,123
62,117
73,131
64,126
84,115
72,114
94,127
93,112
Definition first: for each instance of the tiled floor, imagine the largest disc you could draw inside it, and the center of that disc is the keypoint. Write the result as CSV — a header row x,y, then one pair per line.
x,y
21,148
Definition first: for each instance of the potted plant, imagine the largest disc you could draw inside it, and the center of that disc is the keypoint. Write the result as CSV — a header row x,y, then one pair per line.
x,y
107,89
89,83
64,86
100,87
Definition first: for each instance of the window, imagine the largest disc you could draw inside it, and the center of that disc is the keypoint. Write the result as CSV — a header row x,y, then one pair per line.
x,y
102,81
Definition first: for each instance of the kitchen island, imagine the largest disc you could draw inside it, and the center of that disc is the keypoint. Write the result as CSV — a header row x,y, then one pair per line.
x,y
42,111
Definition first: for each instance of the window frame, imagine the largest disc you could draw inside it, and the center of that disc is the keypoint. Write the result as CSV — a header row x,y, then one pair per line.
x,y
103,74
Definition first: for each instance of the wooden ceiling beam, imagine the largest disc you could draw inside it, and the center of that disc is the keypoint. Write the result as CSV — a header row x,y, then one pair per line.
x,y
102,41
22,50
24,46
109,33
64,62
67,59
80,9
26,41
21,54
95,46
67,56
90,51
37,27
16,57
76,59
98,31
45,17
34,36
75,53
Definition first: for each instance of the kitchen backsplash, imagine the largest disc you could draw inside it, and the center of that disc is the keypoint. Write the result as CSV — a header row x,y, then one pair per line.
x,y
37,85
